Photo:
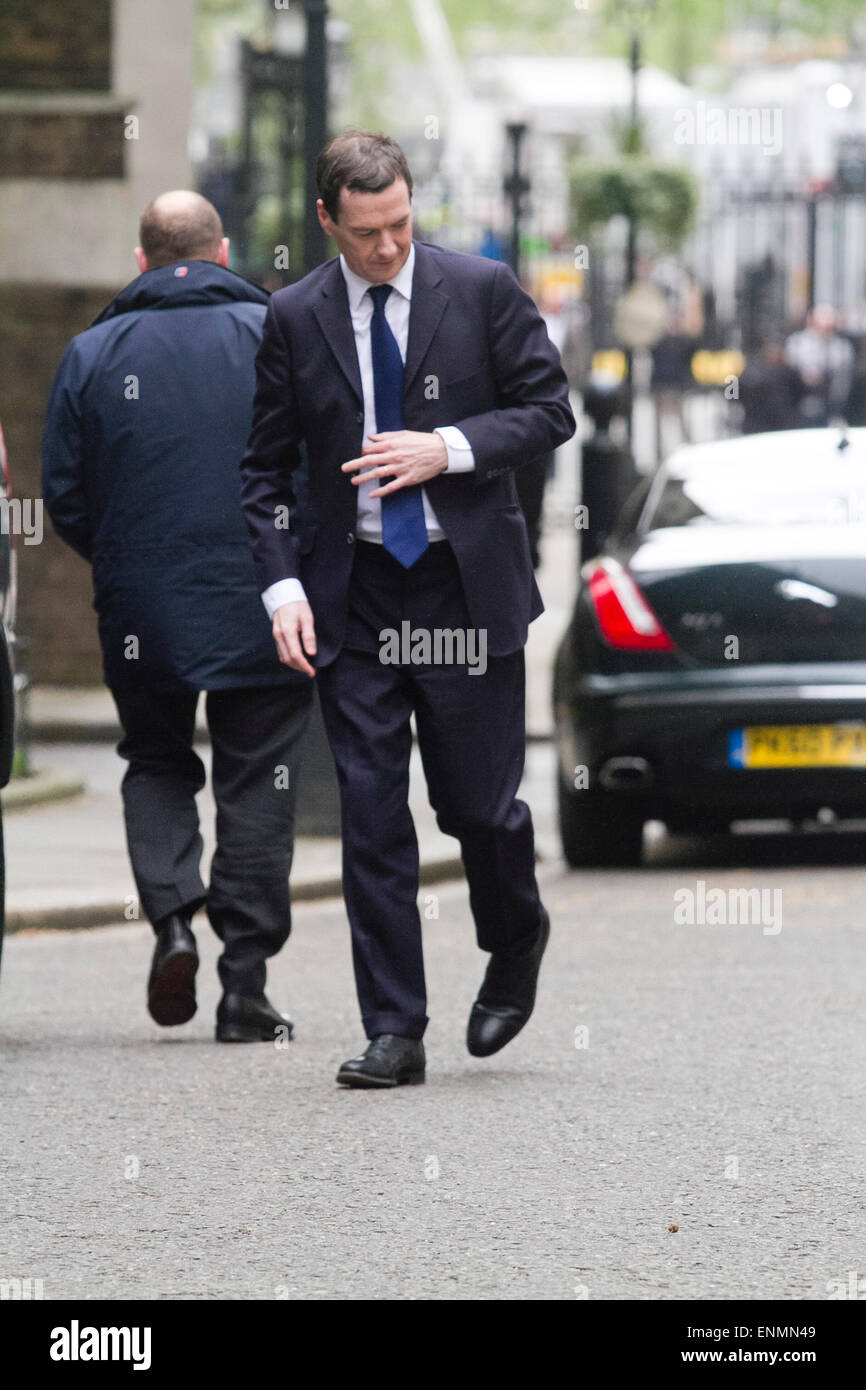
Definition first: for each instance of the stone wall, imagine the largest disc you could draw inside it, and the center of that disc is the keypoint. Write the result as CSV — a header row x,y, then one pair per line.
x,y
46,46
55,614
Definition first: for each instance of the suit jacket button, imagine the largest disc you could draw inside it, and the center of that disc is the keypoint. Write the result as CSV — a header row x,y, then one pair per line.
x,y
360,417
350,537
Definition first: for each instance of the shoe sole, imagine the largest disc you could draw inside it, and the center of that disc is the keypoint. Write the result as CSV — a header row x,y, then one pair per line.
x,y
171,994
359,1082
234,1033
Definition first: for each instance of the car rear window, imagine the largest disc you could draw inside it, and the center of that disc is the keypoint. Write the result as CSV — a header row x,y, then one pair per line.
x,y
741,496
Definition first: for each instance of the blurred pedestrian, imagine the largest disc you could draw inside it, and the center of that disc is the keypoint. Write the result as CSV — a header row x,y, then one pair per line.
x,y
824,362
770,391
531,482
671,379
855,411
144,434
533,477
491,246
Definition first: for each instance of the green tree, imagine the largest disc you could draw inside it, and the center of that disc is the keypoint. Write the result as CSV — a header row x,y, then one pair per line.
x,y
675,34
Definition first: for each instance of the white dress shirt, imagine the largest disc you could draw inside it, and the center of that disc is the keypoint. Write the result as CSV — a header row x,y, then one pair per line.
x,y
460,456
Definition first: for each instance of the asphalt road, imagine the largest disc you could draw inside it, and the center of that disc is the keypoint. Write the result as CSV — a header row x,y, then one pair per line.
x,y
719,1087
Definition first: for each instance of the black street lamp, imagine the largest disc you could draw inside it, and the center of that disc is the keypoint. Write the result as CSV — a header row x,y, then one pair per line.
x,y
315,124
311,50
290,66
516,186
633,141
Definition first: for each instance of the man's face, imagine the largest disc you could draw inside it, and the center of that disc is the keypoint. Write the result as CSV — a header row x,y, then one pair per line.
x,y
374,232
824,321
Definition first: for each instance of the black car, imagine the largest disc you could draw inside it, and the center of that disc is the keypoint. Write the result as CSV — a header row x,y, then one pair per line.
x,y
7,698
715,666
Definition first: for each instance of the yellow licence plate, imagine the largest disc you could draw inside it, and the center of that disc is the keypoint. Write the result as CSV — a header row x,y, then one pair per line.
x,y
798,745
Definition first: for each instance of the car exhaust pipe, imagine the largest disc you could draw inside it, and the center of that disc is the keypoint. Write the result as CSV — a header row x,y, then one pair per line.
x,y
625,774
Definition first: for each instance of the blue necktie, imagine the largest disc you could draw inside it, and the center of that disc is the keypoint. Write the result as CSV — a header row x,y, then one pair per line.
x,y
404,531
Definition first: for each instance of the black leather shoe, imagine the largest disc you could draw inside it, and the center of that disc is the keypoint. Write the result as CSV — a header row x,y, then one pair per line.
x,y
171,983
507,996
250,1018
388,1061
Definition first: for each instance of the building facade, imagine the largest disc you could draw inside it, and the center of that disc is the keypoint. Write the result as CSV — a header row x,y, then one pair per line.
x,y
95,99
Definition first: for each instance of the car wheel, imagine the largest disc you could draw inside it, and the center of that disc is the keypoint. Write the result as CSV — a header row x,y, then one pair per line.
x,y
598,831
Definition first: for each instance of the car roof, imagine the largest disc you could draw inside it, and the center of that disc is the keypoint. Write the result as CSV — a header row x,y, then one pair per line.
x,y
787,448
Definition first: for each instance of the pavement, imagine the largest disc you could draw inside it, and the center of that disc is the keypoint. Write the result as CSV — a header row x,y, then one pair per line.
x,y
67,863
682,1118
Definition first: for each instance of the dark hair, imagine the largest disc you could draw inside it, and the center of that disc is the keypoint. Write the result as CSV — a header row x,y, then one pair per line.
x,y
175,230
361,161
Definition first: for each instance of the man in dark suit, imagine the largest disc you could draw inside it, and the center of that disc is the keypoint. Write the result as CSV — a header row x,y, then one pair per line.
x,y
147,421
419,379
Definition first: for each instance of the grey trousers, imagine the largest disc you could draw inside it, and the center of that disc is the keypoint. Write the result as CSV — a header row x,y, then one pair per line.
x,y
255,739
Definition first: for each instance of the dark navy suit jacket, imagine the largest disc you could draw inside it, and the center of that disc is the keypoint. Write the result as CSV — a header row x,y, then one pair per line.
x,y
478,357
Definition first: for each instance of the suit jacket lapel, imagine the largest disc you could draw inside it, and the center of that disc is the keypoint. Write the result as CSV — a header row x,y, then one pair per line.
x,y
335,321
428,306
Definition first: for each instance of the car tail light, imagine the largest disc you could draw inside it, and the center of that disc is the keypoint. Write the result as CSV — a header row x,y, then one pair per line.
x,y
624,616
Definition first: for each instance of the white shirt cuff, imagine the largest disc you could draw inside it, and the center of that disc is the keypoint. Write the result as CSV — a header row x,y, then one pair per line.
x,y
284,591
460,456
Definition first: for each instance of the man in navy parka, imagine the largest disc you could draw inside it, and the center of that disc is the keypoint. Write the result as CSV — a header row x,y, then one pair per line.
x,y
145,429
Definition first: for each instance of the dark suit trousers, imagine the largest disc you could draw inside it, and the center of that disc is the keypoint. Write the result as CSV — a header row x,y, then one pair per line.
x,y
254,733
471,735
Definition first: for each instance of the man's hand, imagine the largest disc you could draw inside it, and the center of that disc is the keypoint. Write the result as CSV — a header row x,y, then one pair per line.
x,y
409,457
295,634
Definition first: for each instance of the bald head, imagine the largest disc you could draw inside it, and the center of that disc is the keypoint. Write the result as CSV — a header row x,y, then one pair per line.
x,y
181,226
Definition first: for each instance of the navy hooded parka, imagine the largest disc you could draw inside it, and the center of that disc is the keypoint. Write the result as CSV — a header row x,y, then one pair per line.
x,y
145,429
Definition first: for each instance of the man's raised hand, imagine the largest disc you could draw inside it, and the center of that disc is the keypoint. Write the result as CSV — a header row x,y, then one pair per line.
x,y
408,457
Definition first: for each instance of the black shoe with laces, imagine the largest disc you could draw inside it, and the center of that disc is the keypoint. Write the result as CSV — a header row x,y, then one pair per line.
x,y
251,1018
388,1061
